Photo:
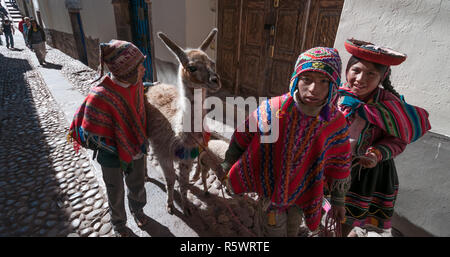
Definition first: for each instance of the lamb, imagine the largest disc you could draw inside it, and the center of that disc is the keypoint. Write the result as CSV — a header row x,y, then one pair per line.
x,y
170,108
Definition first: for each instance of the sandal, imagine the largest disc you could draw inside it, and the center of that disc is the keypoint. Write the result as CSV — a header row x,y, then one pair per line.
x,y
141,219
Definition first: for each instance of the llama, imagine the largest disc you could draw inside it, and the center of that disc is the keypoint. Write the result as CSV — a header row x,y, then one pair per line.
x,y
169,106
210,159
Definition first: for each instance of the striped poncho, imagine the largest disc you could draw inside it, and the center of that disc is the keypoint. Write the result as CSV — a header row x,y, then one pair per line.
x,y
112,118
392,115
308,152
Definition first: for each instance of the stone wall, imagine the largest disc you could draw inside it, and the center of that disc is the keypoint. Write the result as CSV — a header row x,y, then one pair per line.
x,y
66,44
62,41
92,51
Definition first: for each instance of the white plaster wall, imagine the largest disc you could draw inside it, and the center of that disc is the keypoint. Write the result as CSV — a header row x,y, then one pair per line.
x,y
186,22
54,15
419,28
200,20
98,19
169,16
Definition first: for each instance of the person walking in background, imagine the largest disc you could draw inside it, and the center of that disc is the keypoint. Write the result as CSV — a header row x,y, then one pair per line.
x,y
8,30
24,24
381,125
3,12
36,38
26,28
20,25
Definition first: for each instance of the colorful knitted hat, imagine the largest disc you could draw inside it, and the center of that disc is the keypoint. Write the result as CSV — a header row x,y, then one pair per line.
x,y
324,60
122,59
321,59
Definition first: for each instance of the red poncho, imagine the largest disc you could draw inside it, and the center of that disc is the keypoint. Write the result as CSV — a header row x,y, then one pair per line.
x,y
292,170
112,118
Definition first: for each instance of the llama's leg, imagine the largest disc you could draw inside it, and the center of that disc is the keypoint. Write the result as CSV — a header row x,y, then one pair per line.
x,y
185,169
204,171
169,176
197,170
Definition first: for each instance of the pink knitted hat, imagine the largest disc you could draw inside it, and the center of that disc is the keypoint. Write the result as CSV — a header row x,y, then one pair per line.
x,y
122,59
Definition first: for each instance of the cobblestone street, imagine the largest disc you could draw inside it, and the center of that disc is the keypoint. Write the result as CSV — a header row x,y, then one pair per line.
x,y
46,188
49,190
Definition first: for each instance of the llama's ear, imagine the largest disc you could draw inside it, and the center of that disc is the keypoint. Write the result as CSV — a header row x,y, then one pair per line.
x,y
174,48
208,40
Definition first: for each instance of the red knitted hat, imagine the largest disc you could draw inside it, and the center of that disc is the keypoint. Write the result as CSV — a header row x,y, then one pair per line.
x,y
372,53
121,57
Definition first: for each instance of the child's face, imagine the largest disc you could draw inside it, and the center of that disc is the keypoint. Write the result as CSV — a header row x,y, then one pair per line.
x,y
363,78
313,88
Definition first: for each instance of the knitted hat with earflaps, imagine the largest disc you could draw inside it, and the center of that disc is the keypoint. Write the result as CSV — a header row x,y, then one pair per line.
x,y
122,59
324,60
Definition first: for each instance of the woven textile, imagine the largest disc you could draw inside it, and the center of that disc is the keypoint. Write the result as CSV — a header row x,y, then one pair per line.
x,y
392,115
112,118
372,195
292,170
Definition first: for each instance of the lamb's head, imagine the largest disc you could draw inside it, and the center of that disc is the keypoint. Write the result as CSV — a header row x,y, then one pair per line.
x,y
197,69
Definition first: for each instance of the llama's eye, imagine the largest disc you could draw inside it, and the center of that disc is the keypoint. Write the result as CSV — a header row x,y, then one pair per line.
x,y
192,68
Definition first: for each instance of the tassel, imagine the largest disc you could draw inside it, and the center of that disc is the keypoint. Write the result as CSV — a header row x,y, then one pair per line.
x,y
340,185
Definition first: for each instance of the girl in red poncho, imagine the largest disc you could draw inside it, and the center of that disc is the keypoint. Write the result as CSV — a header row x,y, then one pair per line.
x,y
381,125
312,149
112,122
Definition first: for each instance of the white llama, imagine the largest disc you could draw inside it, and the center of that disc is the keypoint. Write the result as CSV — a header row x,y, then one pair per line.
x,y
170,108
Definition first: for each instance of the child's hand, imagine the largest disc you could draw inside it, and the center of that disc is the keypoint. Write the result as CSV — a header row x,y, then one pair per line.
x,y
370,161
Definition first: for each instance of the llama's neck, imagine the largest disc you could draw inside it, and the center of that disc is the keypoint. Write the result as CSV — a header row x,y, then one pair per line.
x,y
191,103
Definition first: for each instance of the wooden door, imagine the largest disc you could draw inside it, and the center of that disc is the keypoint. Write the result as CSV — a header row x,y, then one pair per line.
x,y
253,48
300,25
286,42
272,35
228,41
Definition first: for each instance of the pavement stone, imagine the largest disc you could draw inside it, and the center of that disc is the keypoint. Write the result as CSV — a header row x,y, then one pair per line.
x,y
33,138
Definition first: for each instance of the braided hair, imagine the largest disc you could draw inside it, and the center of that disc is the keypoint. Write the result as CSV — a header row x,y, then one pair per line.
x,y
382,69
387,82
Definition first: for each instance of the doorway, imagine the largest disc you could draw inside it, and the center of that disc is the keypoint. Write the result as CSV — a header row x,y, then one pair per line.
x,y
260,40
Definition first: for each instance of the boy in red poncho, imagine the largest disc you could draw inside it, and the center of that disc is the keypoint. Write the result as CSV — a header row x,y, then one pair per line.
x,y
112,122
312,149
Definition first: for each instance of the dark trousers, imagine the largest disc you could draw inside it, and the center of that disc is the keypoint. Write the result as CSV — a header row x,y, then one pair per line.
x,y
137,198
9,40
